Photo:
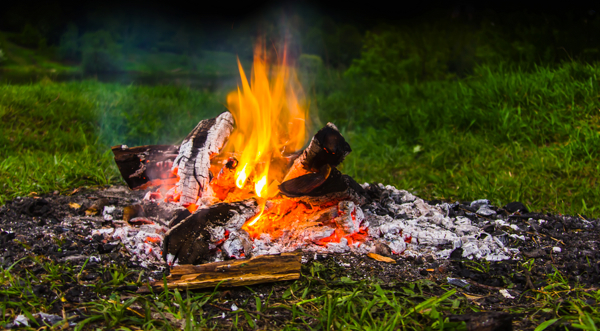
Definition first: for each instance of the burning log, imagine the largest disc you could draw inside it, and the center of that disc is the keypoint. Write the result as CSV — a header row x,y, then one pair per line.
x,y
257,270
327,147
313,176
146,166
193,162
193,236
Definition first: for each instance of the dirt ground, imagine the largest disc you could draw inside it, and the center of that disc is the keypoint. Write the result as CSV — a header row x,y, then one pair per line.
x,y
58,228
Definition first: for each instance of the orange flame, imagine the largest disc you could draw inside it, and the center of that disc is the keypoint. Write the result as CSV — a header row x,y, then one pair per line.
x,y
270,123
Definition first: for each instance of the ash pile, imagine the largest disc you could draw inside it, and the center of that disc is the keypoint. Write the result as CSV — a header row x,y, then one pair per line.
x,y
206,215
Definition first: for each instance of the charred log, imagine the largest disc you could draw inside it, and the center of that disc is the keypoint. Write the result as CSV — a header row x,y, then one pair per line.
x,y
257,270
336,187
327,147
146,166
192,236
193,161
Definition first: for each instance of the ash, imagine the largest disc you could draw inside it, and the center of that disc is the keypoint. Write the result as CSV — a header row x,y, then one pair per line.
x,y
395,223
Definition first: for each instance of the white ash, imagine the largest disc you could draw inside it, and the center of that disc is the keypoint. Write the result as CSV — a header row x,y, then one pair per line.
x,y
144,243
409,226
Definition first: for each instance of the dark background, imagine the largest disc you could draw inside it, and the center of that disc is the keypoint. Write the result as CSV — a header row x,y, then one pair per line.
x,y
317,27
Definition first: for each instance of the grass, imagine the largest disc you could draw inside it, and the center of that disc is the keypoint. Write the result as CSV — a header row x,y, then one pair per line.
x,y
56,136
503,134
23,60
323,299
506,135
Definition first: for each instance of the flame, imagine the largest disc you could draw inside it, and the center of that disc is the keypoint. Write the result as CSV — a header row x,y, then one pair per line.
x,y
270,123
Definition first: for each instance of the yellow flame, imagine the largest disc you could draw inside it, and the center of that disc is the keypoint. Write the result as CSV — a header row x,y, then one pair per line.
x,y
270,122
241,177
257,217
260,185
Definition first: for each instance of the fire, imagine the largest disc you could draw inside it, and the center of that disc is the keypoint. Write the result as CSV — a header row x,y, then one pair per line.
x,y
270,123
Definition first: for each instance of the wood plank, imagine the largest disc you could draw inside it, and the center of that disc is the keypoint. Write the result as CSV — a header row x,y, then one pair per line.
x,y
257,270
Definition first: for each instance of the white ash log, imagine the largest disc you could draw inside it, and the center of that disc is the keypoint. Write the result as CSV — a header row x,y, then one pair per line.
x,y
193,161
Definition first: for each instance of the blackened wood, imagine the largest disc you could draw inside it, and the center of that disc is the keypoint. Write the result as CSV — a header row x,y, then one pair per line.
x,y
304,184
193,161
327,146
337,187
145,166
189,238
259,269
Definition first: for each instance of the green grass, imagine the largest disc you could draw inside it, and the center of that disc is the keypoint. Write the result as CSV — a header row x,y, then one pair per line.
x,y
323,299
500,134
505,135
57,136
23,60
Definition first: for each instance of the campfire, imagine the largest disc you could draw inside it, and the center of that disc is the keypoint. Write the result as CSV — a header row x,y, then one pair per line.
x,y
241,185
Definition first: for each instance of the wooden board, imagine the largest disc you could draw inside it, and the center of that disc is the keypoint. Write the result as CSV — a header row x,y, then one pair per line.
x,y
257,270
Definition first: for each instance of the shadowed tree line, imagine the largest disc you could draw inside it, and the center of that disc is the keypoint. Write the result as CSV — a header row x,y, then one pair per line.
x,y
438,45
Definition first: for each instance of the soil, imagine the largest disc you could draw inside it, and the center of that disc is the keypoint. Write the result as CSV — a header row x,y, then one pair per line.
x,y
58,228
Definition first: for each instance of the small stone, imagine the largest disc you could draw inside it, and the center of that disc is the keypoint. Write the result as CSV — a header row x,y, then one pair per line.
x,y
479,203
556,249
485,210
234,307
516,206
21,320
382,249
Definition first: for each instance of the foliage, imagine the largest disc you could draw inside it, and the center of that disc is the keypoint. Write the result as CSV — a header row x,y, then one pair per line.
x,y
69,47
100,53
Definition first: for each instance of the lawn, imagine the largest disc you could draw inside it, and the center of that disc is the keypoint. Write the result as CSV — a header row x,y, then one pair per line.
x,y
501,133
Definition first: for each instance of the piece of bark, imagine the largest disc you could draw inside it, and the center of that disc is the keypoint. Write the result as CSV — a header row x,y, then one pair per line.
x,y
193,161
257,270
191,235
327,146
145,166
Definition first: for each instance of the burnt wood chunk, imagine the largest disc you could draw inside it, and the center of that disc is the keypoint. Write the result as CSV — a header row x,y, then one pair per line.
x,y
145,166
327,147
337,187
305,184
259,269
191,235
193,161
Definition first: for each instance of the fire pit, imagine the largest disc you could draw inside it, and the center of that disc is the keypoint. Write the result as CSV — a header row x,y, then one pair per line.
x,y
240,185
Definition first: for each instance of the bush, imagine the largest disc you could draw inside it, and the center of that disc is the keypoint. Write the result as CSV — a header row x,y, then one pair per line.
x,y
69,48
100,53
30,37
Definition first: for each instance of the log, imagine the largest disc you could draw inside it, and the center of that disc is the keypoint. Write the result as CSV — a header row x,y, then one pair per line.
x,y
146,166
336,187
257,270
191,235
327,147
193,161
